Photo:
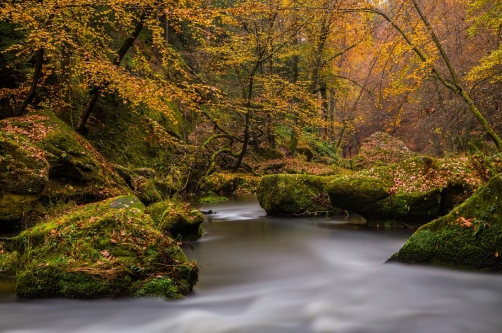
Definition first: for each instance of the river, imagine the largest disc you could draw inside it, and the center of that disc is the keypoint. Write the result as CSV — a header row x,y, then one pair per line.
x,y
272,275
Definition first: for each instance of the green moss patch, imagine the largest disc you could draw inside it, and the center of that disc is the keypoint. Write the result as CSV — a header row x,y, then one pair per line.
x,y
212,198
237,183
108,249
282,195
416,190
177,219
469,237
42,158
8,262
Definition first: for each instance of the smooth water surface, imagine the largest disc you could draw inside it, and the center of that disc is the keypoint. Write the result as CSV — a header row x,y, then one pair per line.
x,y
261,274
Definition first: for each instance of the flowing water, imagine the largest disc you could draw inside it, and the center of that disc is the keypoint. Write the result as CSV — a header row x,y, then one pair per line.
x,y
268,275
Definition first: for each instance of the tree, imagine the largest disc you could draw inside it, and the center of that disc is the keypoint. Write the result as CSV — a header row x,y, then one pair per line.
x,y
411,22
80,37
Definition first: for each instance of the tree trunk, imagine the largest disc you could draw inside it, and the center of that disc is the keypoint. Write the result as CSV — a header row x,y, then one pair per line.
x,y
245,143
94,92
453,83
36,77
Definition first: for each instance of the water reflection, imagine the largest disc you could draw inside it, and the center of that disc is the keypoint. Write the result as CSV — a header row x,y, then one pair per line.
x,y
261,274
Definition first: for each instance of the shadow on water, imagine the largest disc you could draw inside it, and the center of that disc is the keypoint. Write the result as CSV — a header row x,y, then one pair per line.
x,y
261,274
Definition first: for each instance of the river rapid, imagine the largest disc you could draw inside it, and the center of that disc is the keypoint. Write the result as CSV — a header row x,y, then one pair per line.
x,y
272,275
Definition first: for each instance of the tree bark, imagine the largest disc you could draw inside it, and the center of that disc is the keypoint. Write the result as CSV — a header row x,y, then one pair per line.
x,y
94,92
36,77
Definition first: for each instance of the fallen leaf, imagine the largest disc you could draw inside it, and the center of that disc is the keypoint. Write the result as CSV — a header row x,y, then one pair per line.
x,y
105,253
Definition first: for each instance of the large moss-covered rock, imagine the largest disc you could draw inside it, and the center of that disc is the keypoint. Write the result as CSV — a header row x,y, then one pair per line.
x,y
372,198
24,172
107,249
416,190
41,158
77,170
177,219
8,262
469,237
227,182
283,195
381,149
148,185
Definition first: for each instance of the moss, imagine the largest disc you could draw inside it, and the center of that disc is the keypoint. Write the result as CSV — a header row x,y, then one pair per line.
x,y
293,194
8,262
23,175
418,207
100,250
42,158
238,183
381,149
469,237
212,198
177,219
139,137
77,169
152,287
358,194
146,190
416,190
269,153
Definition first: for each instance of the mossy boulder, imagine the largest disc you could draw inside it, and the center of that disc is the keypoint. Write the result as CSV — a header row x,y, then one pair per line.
x,y
418,189
283,195
77,169
41,158
146,190
8,262
371,198
177,219
226,182
24,172
381,149
469,237
107,249
149,186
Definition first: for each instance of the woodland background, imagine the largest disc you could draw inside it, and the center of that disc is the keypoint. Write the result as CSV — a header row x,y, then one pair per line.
x,y
278,74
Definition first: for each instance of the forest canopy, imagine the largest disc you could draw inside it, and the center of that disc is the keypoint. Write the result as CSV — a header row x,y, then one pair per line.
x,y
427,71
